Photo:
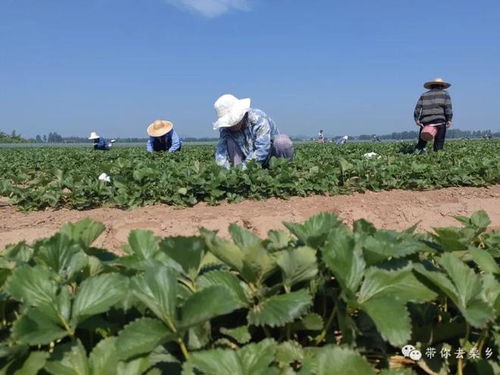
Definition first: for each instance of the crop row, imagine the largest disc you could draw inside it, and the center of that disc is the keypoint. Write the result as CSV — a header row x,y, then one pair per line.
x,y
38,178
320,299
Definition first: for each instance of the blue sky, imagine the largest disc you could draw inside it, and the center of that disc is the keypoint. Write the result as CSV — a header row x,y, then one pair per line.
x,y
353,67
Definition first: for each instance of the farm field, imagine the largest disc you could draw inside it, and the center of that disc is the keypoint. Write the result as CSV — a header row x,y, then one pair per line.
x,y
120,278
34,179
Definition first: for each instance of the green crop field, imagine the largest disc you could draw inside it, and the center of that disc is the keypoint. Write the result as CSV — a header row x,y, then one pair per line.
x,y
320,299
34,179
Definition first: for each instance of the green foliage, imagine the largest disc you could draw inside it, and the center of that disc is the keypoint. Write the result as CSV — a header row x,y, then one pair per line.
x,y
324,299
67,177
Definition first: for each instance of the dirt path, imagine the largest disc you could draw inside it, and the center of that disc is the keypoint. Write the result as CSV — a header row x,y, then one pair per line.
x,y
392,210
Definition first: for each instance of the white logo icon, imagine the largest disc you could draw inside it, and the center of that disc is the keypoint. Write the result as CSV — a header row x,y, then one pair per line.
x,y
409,351
416,355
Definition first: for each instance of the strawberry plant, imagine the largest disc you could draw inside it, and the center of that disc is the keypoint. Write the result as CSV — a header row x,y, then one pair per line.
x,y
34,179
321,298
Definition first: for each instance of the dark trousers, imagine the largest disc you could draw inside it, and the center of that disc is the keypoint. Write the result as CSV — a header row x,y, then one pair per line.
x,y
438,139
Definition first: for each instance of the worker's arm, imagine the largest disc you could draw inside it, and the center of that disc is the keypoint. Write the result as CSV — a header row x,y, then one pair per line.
x,y
149,144
448,110
261,141
221,154
418,111
176,142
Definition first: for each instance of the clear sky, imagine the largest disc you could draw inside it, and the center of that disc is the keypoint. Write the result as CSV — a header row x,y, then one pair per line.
x,y
354,67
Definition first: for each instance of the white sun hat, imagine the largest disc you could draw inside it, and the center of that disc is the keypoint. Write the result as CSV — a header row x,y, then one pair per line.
x,y
94,135
230,110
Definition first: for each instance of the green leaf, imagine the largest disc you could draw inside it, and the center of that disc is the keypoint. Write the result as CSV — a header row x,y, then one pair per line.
x,y
104,357
157,289
97,294
199,336
464,289
401,285
383,296
451,239
491,291
85,231
61,254
343,256
276,311
188,252
33,364
253,359
314,231
240,334
390,317
256,359
224,250
289,352
383,245
37,327
257,264
141,337
298,265
480,220
217,361
32,285
69,359
484,260
312,322
339,361
207,304
142,243
242,237
228,280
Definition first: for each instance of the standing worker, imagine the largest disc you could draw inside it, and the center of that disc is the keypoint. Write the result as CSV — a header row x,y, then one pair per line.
x,y
100,143
434,109
321,137
162,137
247,134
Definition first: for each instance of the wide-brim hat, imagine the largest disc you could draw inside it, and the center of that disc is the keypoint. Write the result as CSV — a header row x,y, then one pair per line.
x,y
230,110
94,135
437,81
159,128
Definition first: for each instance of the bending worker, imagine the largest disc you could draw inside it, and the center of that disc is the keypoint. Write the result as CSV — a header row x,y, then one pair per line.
x,y
100,143
162,137
247,134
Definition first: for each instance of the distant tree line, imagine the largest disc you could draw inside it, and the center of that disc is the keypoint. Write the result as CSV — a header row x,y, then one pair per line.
x,y
12,138
54,137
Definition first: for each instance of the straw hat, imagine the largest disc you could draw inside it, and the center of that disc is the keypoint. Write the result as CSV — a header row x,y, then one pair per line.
x,y
437,81
159,128
230,110
94,135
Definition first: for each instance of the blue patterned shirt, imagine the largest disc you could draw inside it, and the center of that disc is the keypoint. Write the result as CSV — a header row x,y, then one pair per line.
x,y
254,140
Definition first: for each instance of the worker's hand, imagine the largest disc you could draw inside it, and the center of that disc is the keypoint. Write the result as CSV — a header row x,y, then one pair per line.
x,y
448,124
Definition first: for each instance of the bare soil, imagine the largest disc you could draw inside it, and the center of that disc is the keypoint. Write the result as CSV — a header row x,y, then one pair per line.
x,y
395,209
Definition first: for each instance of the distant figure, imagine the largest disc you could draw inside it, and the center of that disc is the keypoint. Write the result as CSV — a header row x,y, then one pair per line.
x,y
321,137
376,139
434,109
100,143
342,140
247,134
162,137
